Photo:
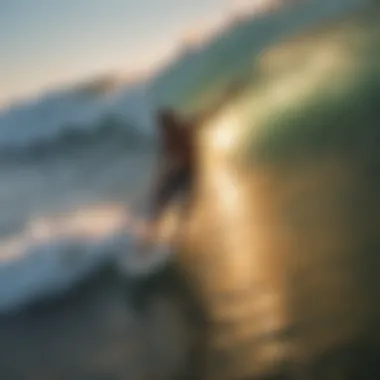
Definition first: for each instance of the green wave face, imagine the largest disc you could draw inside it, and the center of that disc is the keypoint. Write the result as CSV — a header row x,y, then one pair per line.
x,y
193,81
285,220
308,66
314,92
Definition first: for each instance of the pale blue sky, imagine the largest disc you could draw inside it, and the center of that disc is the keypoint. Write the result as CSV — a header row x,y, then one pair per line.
x,y
44,43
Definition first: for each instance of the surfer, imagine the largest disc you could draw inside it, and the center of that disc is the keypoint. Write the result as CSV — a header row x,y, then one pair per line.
x,y
178,158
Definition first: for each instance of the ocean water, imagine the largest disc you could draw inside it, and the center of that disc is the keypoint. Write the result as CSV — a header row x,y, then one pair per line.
x,y
70,209
75,172
66,208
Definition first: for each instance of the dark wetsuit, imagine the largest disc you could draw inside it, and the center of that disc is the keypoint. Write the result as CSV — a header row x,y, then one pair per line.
x,y
176,176
178,146
178,166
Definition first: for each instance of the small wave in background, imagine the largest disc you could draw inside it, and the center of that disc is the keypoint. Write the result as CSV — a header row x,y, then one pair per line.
x,y
91,111
72,164
75,170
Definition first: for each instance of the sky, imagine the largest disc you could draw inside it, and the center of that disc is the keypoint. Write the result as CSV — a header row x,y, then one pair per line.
x,y
46,43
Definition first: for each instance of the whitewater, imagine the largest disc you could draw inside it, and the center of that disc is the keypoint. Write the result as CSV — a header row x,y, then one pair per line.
x,y
73,208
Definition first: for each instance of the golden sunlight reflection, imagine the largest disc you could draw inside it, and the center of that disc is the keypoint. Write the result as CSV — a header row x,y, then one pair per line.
x,y
230,195
233,205
223,137
226,187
